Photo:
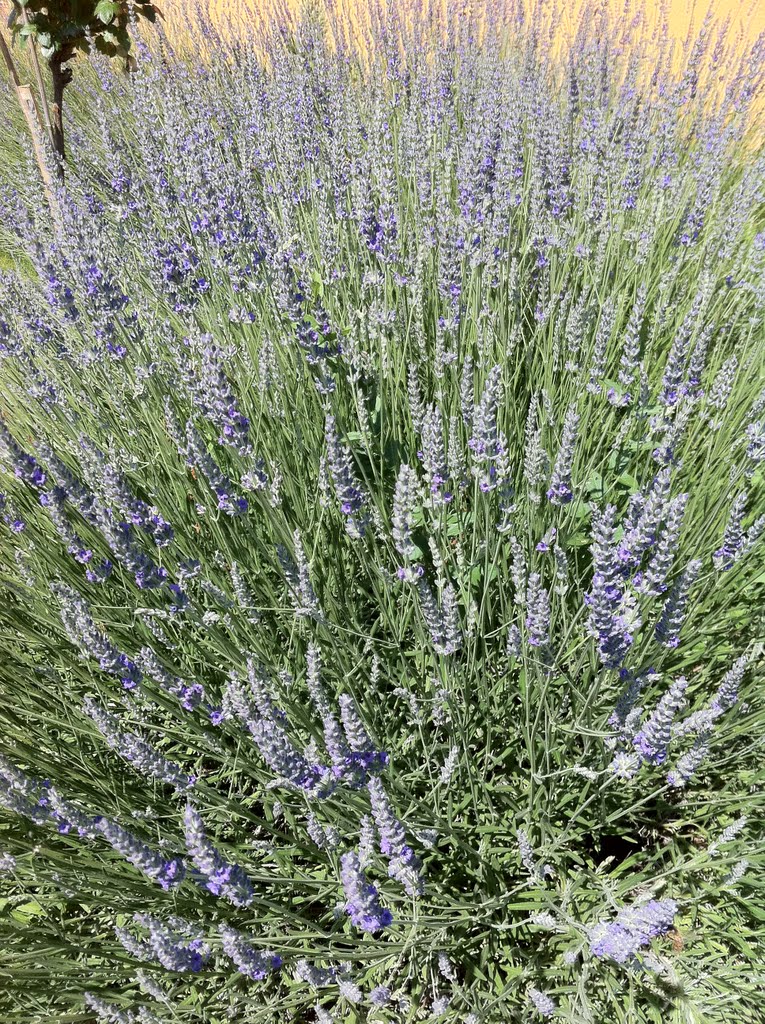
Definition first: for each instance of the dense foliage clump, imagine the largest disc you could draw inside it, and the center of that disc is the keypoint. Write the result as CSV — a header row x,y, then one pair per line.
x,y
382,497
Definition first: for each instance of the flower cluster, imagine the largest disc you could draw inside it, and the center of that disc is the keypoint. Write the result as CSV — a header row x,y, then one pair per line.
x,y
381,477
632,929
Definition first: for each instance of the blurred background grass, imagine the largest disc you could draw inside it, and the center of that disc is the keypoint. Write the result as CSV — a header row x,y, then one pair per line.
x,y
746,18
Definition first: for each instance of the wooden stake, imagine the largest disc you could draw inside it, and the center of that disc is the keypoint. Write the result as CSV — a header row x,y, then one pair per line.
x,y
28,106
40,82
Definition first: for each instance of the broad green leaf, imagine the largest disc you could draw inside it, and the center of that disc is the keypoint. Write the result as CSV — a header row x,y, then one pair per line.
x,y
106,11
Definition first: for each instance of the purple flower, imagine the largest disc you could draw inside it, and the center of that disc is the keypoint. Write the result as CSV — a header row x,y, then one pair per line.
x,y
218,875
541,1002
701,723
176,945
488,444
733,539
380,996
109,482
24,466
442,622
23,795
267,728
350,496
249,961
167,873
433,455
361,903
653,581
653,739
642,523
190,695
206,382
404,865
136,750
630,353
633,928
613,615
560,492
690,762
194,450
405,500
755,435
673,613
92,643
544,544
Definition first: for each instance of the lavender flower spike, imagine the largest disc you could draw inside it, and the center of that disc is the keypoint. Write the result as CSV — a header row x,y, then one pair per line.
x,y
361,903
733,539
142,755
690,762
535,868
560,492
305,600
21,794
67,816
107,480
722,387
652,582
176,944
194,450
652,742
702,721
542,1003
630,353
274,744
488,444
24,466
404,502
190,695
646,511
220,877
213,395
139,948
347,490
673,614
614,619
380,996
167,873
364,752
108,1012
434,456
82,631
249,961
443,623
727,692
318,977
537,612
633,928
404,864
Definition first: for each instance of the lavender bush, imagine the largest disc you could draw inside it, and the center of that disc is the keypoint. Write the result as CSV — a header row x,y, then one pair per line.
x,y
382,497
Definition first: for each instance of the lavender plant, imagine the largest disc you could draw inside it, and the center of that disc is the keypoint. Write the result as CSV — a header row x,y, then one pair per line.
x,y
380,535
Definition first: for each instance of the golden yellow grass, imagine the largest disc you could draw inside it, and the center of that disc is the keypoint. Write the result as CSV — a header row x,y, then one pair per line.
x,y
237,18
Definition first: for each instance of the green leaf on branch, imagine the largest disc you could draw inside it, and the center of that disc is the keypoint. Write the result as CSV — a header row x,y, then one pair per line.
x,y
106,11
